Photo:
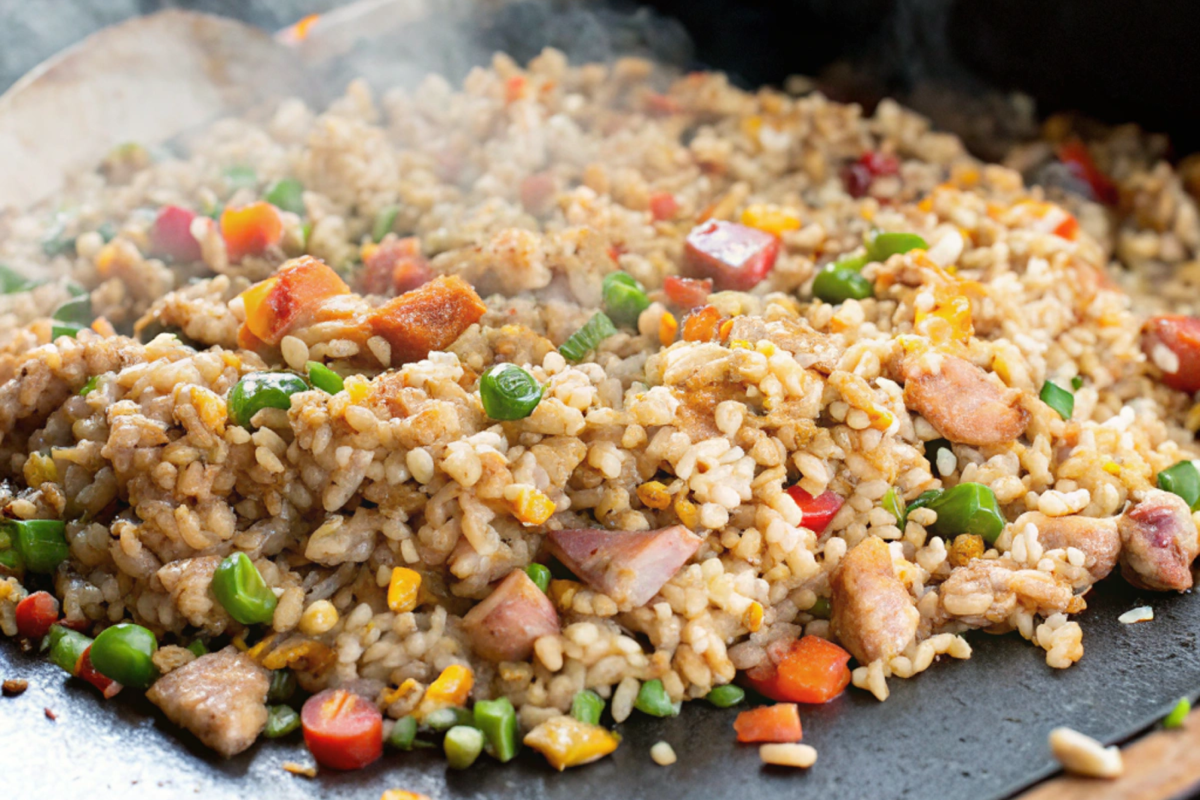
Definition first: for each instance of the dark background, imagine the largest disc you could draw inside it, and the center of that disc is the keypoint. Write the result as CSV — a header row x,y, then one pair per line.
x,y
1117,60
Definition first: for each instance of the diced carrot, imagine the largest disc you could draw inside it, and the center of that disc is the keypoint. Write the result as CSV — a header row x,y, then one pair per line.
x,y
777,723
273,306
808,670
702,325
514,88
1068,228
250,230
427,319
818,511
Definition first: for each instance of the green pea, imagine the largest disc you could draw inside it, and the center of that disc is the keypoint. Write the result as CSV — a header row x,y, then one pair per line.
x,y
462,745
1178,714
41,543
587,706
286,194
281,720
283,686
624,298
324,378
67,647
125,653
404,733
240,177
968,508
588,338
1077,382
726,696
384,220
240,589
1058,398
882,246
1182,479
509,392
262,390
652,699
12,282
198,648
498,721
821,609
894,503
539,574
835,284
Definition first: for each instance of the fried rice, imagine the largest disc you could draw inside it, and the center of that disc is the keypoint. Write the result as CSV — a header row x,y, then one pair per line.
x,y
531,185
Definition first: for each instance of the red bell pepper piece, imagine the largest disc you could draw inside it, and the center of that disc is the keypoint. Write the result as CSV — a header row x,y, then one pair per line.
x,y
818,511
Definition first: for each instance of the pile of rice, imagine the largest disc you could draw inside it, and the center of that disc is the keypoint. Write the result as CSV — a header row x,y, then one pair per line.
x,y
403,468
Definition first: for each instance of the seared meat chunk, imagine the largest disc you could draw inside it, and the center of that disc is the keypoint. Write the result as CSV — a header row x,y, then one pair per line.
x,y
986,592
961,401
1097,538
428,318
504,626
873,614
221,697
628,566
1160,542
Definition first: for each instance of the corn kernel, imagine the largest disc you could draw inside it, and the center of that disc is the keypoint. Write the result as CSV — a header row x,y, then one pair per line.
x,y
567,742
1112,468
668,326
754,616
532,506
400,794
772,219
106,259
563,592
358,388
318,618
966,546
687,512
725,329
239,642
389,697
451,688
258,649
751,126
403,588
740,344
653,494
308,655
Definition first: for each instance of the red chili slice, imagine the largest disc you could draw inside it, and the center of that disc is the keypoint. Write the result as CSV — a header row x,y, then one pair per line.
x,y
734,256
342,730
84,670
818,511
35,614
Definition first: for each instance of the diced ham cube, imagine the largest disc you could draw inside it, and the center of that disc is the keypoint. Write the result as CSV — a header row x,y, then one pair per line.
x,y
735,256
628,566
427,319
504,626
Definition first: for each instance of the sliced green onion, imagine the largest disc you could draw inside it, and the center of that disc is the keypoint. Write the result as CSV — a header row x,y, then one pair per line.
x,y
1077,382
587,706
588,338
41,543
539,574
107,231
835,284
56,242
240,177
283,686
498,721
125,653
77,309
726,696
445,718
67,647
1058,398
12,282
281,720
821,609
384,220
624,298
1182,479
1178,714
894,503
286,194
652,699
509,392
241,591
262,390
923,499
324,378
462,746
882,246
90,386
198,648
404,733
70,329
968,508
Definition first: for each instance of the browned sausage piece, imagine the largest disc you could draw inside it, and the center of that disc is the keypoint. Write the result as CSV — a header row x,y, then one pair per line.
x,y
1160,542
628,566
873,614
961,401
504,626
1097,538
221,697
428,318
